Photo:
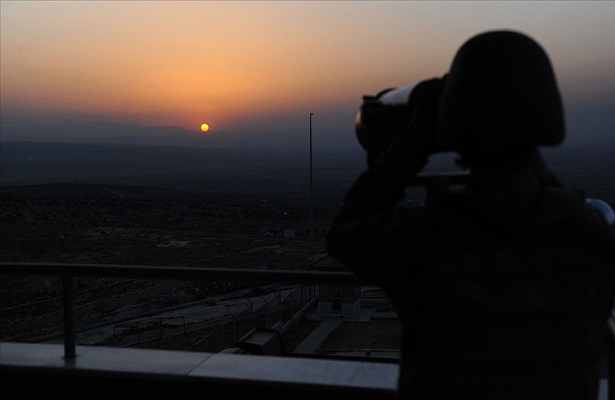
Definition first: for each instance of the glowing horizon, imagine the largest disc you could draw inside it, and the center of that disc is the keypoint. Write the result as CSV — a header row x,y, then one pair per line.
x,y
249,65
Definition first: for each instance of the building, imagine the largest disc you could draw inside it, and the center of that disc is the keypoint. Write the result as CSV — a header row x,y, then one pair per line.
x,y
337,299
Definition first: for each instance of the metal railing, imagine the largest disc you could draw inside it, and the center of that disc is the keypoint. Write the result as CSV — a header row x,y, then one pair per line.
x,y
69,271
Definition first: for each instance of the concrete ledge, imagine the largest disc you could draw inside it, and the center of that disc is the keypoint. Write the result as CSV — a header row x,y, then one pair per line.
x,y
26,366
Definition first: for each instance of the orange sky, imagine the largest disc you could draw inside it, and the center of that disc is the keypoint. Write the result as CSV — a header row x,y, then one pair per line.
x,y
248,64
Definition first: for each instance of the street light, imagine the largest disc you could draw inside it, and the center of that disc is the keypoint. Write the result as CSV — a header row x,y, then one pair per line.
x,y
288,219
311,200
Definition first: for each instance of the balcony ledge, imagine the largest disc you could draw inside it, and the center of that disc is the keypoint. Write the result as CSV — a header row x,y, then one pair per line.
x,y
241,374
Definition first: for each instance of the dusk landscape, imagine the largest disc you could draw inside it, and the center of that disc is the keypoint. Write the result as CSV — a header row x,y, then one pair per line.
x,y
104,158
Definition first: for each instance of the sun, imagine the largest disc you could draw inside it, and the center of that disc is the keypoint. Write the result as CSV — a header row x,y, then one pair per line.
x,y
204,127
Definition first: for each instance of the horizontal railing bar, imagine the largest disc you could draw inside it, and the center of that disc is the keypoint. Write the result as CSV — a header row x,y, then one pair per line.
x,y
178,272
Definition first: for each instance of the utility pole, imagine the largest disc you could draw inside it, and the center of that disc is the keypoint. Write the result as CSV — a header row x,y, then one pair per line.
x,y
311,185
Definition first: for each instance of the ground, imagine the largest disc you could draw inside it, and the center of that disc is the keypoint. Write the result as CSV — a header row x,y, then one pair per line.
x,y
102,224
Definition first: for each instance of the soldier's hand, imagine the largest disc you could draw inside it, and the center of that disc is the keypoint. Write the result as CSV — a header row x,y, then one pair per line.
x,y
408,154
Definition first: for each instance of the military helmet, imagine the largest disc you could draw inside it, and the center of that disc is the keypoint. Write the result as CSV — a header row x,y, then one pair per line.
x,y
500,92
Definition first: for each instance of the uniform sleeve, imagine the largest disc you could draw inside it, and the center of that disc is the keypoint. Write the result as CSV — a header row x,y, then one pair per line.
x,y
372,233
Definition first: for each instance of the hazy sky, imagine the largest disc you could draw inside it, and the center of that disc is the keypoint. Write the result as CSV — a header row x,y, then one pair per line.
x,y
253,66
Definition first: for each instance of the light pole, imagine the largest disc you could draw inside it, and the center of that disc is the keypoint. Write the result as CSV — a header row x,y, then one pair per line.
x,y
311,200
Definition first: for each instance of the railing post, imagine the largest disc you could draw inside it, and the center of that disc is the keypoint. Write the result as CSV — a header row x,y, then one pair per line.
x,y
611,366
252,314
280,316
234,328
215,339
266,313
69,317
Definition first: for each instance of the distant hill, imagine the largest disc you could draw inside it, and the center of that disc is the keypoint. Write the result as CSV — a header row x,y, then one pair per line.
x,y
259,172
107,132
85,191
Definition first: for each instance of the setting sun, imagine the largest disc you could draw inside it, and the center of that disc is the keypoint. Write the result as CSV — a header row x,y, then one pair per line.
x,y
204,127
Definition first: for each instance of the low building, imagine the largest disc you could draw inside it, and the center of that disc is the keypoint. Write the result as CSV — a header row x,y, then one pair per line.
x,y
335,299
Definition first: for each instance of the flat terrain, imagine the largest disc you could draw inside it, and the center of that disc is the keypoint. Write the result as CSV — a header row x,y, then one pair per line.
x,y
127,225
107,224
199,213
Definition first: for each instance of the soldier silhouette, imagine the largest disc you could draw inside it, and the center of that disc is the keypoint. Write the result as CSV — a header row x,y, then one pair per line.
x,y
504,286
